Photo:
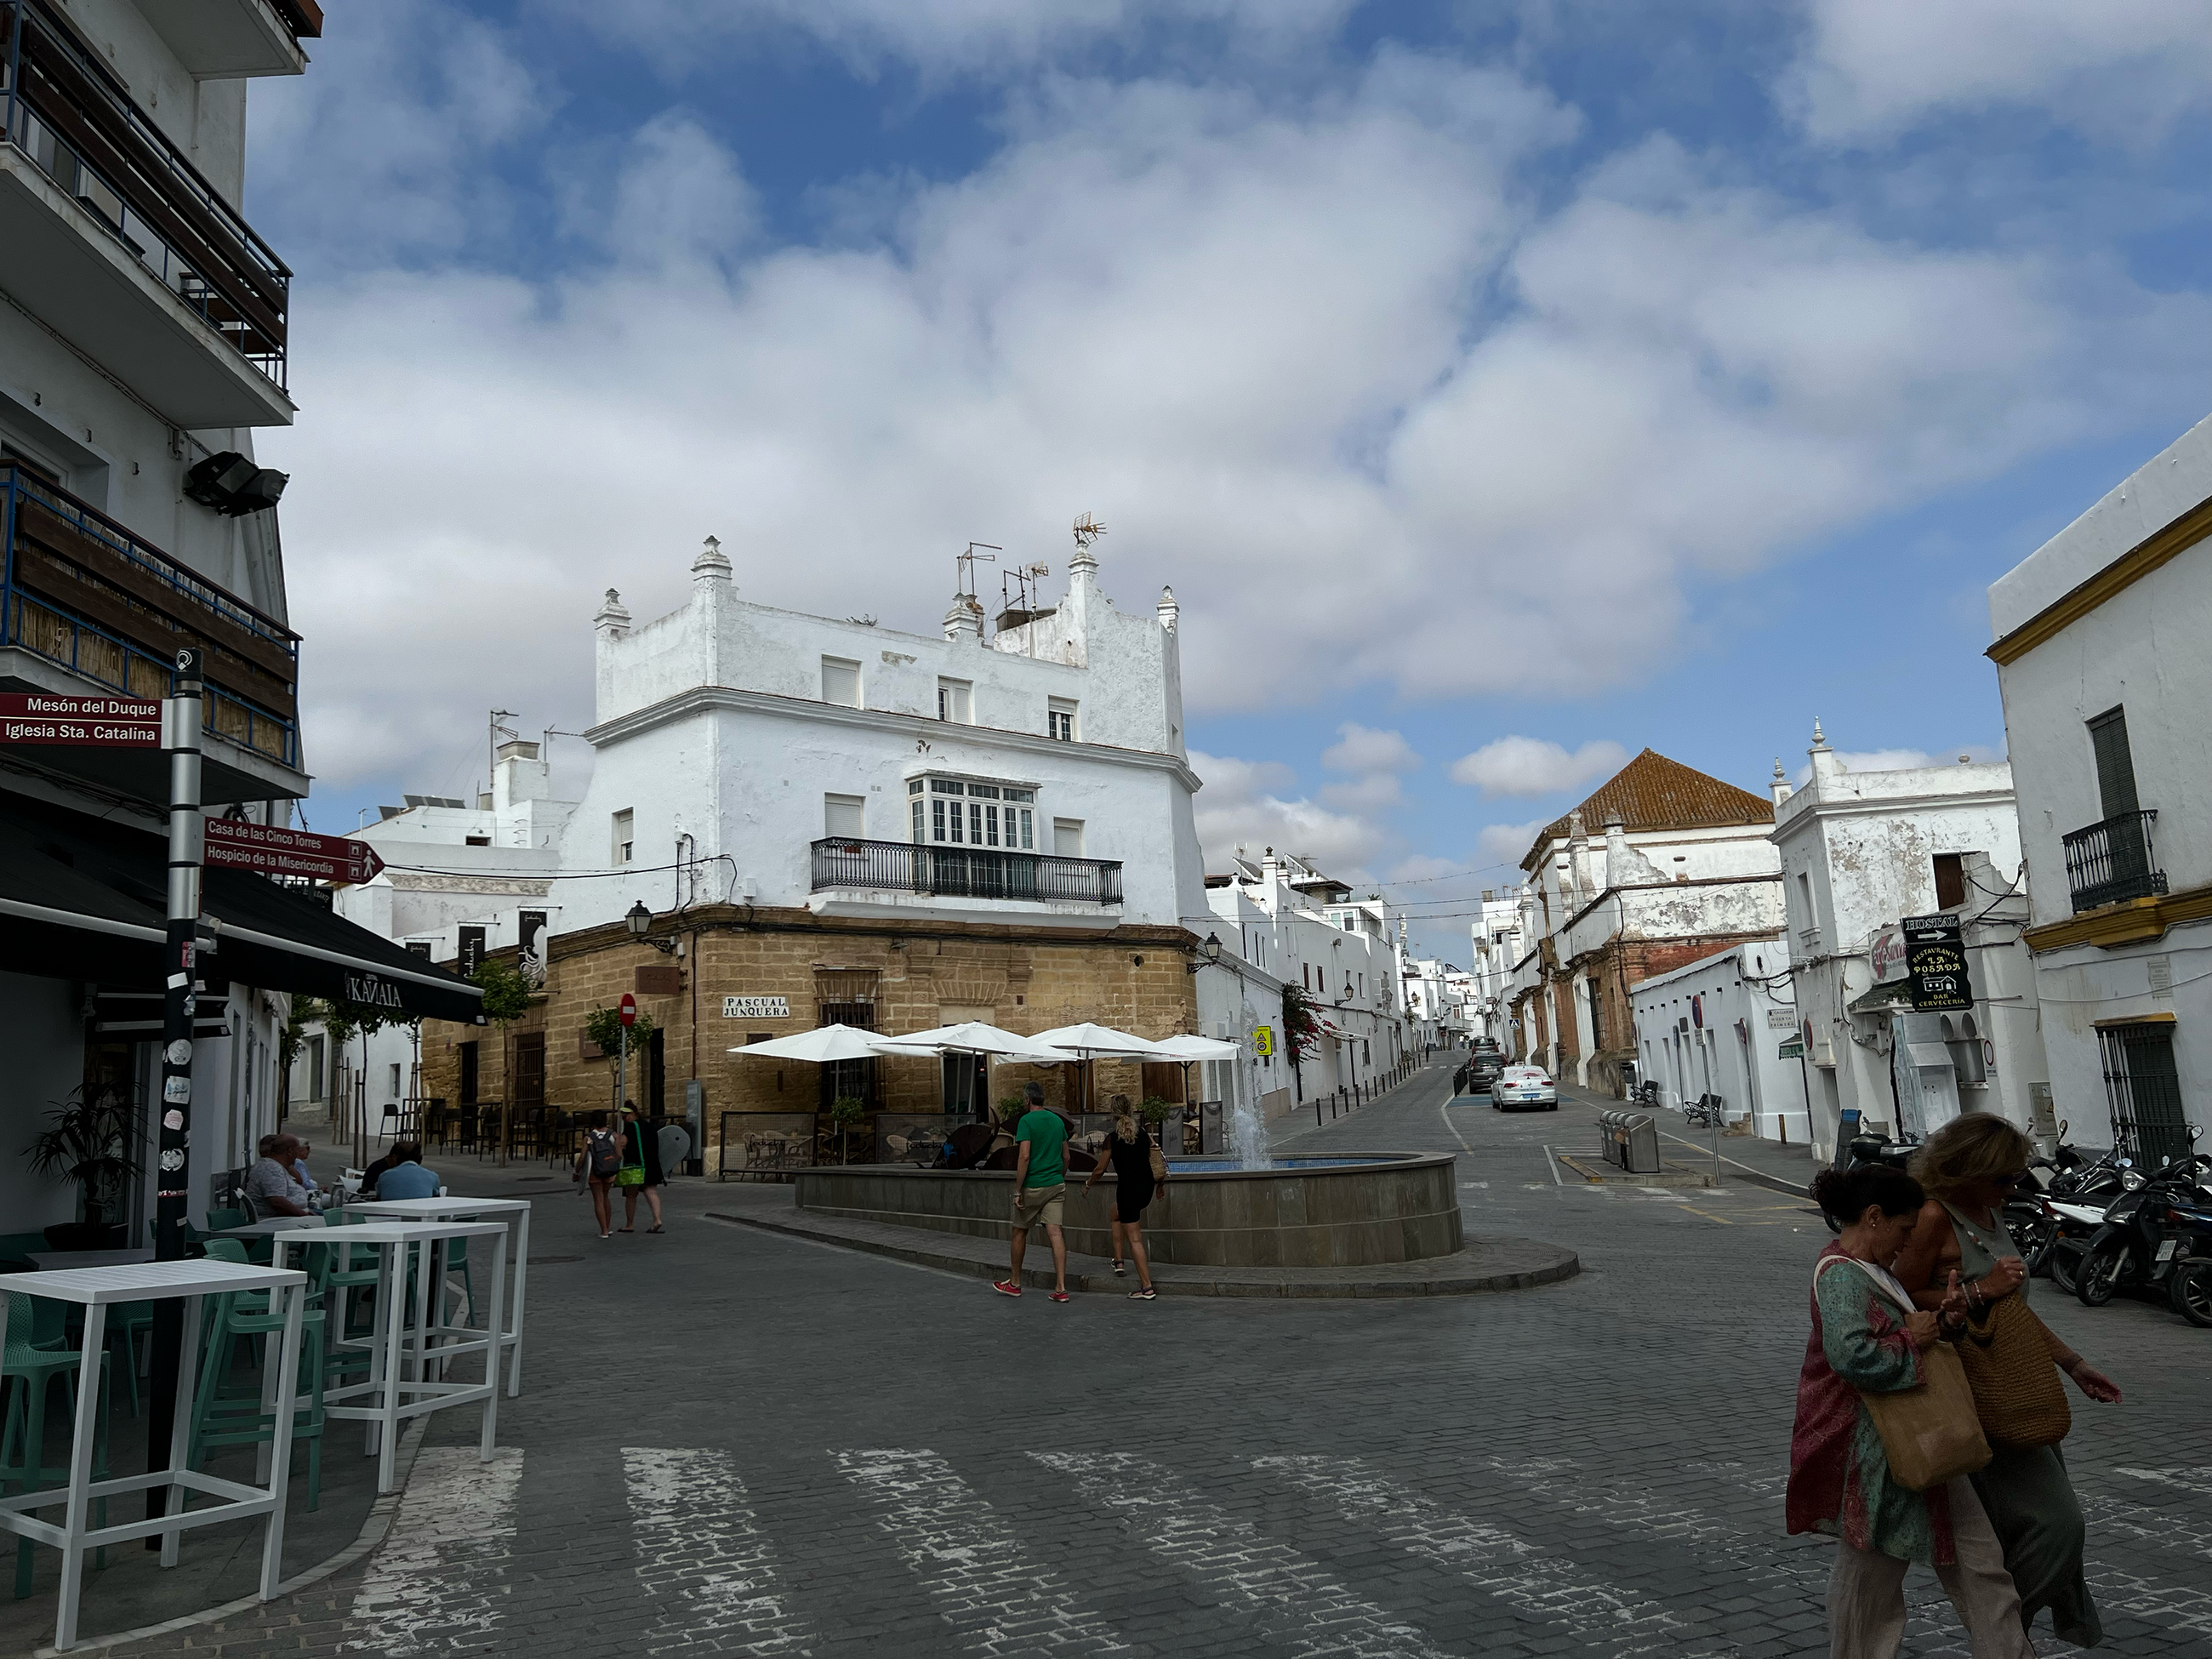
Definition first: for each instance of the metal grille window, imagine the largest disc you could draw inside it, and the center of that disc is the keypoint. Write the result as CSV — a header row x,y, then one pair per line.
x,y
2144,1088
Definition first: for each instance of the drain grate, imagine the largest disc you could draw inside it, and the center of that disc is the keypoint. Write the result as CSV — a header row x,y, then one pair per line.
x,y
548,1260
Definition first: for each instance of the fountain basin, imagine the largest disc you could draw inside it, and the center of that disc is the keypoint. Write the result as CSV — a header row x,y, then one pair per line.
x,y
1345,1210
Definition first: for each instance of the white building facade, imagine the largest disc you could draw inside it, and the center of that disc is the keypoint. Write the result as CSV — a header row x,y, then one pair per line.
x,y
1728,1026
2099,647
1861,851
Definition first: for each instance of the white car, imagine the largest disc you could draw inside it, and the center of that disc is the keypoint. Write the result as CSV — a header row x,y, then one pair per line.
x,y
1523,1088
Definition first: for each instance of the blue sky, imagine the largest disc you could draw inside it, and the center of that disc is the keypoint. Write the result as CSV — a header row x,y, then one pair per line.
x,y
1502,388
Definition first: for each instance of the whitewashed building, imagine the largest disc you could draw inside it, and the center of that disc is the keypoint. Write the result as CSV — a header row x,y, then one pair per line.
x,y
2100,653
1498,941
1727,1025
1860,852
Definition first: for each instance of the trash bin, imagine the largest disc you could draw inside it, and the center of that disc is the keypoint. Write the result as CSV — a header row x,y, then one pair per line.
x,y
1630,1141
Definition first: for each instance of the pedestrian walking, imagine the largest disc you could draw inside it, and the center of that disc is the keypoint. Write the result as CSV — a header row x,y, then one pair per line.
x,y
1870,1341
1139,1170
598,1162
640,1171
1968,1168
1040,1178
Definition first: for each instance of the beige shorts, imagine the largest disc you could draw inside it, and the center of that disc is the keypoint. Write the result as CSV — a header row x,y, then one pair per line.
x,y
1033,1205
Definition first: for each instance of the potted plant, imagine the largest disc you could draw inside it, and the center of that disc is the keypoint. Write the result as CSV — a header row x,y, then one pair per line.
x,y
93,1139
845,1111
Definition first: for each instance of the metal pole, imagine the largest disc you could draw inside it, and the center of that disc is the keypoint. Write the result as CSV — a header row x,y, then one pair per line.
x,y
181,742
1713,1119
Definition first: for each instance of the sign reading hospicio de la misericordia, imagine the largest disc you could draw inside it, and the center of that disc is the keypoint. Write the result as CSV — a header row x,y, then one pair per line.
x,y
756,1007
1936,964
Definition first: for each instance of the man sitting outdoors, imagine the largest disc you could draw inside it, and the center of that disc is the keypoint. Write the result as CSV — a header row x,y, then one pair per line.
x,y
404,1177
276,1192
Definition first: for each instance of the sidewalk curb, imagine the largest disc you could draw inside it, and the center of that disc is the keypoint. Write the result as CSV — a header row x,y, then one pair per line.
x,y
1557,1265
1757,1177
372,1533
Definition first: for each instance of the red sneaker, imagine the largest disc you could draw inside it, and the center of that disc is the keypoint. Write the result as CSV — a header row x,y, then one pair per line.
x,y
1006,1287
1061,1296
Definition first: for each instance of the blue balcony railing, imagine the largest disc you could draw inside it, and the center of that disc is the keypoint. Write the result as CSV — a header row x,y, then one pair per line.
x,y
65,110
83,593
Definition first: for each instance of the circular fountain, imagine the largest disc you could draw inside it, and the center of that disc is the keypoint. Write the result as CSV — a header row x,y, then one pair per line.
x,y
1339,1210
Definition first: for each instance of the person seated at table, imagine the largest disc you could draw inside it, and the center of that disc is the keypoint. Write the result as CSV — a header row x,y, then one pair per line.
x,y
403,1151
299,1171
405,1177
274,1189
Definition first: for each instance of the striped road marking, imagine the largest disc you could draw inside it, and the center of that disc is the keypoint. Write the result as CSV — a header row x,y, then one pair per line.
x,y
1292,1601
1488,1556
440,1582
978,1567
703,1559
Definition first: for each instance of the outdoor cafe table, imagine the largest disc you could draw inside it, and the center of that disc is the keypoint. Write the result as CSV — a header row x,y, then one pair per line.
x,y
47,1260
456,1208
95,1289
401,1384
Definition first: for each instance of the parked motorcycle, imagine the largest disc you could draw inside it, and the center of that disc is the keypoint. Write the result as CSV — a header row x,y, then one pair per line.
x,y
2135,1246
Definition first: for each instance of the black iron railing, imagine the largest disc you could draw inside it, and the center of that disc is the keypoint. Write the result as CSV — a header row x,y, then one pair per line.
x,y
898,866
2113,860
65,110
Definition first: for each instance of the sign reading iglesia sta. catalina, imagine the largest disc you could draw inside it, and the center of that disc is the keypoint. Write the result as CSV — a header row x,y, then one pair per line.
x,y
1936,965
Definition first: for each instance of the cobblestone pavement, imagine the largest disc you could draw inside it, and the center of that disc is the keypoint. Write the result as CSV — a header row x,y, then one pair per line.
x,y
737,1443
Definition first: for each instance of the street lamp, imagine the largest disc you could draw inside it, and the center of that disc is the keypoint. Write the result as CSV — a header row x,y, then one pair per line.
x,y
640,922
1209,954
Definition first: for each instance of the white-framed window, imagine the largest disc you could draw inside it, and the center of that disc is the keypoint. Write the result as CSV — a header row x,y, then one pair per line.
x,y
841,681
395,1080
1059,719
845,817
625,836
955,701
1067,837
969,812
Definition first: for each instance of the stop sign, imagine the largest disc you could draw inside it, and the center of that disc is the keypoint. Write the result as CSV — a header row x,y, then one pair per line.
x,y
628,1009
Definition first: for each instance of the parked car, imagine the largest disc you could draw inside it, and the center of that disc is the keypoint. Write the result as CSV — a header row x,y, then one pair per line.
x,y
1523,1088
1483,1069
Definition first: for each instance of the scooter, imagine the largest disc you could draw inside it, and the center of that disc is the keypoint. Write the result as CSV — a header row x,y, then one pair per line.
x,y
2134,1247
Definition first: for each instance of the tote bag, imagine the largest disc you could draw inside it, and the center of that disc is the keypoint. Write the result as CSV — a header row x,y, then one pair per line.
x,y
1931,1432
2008,1361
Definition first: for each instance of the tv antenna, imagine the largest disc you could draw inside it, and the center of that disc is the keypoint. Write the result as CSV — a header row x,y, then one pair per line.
x,y
1018,589
491,741
1087,530
964,565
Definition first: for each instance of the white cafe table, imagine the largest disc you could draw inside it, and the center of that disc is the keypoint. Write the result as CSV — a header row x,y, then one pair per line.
x,y
47,1260
405,1355
455,1208
95,1289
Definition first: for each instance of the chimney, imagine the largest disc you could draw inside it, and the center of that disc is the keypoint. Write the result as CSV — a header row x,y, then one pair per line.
x,y
1616,848
1578,862
965,620
519,775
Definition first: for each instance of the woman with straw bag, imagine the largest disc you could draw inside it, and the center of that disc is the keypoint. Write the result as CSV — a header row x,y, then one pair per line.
x,y
1968,1167
1886,1435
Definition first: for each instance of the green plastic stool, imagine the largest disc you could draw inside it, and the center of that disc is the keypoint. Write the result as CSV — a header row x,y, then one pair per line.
x,y
226,1413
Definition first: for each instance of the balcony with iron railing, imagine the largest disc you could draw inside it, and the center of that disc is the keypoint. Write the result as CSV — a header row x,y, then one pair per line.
x,y
974,873
2113,860
63,112
82,595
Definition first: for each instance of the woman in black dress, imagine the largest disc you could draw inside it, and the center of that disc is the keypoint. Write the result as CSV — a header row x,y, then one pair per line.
x,y
1129,1153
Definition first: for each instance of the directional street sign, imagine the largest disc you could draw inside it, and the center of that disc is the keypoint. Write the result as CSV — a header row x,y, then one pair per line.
x,y
86,722
1936,964
233,844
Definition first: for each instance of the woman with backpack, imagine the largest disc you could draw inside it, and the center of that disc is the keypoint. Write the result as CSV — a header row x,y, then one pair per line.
x,y
599,1163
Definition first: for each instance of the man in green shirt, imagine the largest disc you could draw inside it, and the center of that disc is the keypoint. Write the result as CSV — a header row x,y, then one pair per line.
x,y
1040,1174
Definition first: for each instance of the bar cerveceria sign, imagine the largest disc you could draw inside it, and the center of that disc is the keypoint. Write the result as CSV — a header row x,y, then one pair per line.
x,y
1936,964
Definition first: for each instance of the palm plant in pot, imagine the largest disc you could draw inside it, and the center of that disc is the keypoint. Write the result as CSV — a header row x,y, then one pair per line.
x,y
93,1139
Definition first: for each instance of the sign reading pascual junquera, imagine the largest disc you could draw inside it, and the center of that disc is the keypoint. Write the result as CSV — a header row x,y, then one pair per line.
x,y
756,1007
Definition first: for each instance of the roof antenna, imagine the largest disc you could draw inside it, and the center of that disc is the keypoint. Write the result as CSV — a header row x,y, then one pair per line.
x,y
963,567
1087,530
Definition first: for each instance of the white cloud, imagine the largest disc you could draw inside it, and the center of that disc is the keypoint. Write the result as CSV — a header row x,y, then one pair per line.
x,y
1507,844
1240,806
1533,766
1364,749
1871,68
1162,303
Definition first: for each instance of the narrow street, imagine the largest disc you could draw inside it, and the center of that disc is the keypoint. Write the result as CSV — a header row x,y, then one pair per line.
x,y
731,1441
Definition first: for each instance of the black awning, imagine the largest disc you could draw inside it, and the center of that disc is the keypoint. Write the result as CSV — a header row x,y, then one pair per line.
x,y
82,897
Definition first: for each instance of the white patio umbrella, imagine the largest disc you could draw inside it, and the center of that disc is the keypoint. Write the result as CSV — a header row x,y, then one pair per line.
x,y
973,1037
822,1045
1197,1048
1093,1042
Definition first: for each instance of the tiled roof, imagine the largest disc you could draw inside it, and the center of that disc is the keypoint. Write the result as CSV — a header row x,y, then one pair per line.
x,y
1654,792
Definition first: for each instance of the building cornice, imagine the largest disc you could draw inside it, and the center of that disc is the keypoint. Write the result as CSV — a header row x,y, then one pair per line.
x,y
2158,548
710,699
2133,921
1774,876
1818,807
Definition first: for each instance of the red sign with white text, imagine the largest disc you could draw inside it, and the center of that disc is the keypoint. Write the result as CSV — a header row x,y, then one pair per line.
x,y
90,722
233,844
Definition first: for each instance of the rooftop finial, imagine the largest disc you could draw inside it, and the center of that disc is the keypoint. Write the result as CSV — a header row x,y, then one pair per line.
x,y
711,564
1820,738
